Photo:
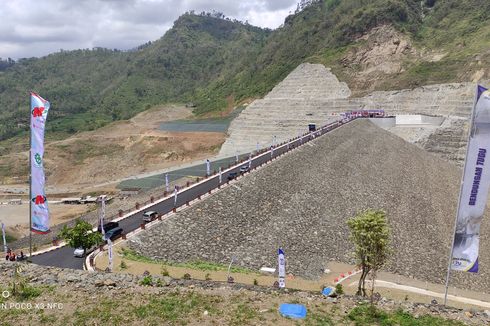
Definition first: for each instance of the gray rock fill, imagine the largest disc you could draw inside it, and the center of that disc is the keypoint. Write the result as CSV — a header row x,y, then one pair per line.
x,y
302,201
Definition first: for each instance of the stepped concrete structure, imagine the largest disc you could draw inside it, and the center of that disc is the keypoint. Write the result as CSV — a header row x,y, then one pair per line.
x,y
313,94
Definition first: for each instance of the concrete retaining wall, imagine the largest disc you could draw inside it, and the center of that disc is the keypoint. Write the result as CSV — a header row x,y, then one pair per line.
x,y
384,122
417,119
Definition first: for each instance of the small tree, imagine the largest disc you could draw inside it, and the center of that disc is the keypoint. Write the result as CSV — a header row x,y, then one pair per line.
x,y
81,235
370,234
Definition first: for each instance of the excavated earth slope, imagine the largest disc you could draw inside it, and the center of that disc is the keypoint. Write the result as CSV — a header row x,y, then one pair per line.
x,y
302,200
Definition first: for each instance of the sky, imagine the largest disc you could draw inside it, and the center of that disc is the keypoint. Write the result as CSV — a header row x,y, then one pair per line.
x,y
34,28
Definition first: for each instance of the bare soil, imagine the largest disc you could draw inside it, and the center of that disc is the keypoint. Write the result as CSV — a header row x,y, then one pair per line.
x,y
119,150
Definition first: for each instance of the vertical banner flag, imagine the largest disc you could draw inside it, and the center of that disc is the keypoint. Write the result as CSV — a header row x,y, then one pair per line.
x,y
208,168
39,204
236,156
282,268
166,182
272,151
175,196
474,188
4,239
249,160
102,214
220,177
257,147
109,242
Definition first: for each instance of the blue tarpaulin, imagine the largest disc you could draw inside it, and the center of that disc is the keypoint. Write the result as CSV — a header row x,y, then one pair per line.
x,y
292,310
327,291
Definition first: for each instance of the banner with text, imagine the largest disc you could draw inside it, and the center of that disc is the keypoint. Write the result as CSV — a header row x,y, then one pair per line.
x,y
39,205
282,268
474,188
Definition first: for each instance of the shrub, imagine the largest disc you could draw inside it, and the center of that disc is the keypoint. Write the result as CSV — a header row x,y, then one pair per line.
x,y
159,283
256,282
147,281
339,289
187,276
164,271
207,277
123,265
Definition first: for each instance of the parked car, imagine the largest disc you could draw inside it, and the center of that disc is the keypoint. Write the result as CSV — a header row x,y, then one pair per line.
x,y
79,252
108,226
232,175
149,216
113,233
244,168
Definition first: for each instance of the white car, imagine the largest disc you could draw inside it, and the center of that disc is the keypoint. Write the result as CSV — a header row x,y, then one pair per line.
x,y
149,216
79,252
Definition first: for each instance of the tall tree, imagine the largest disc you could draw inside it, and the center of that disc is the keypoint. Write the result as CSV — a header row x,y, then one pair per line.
x,y
370,234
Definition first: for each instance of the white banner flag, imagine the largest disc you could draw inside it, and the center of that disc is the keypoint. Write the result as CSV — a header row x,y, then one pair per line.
x,y
208,168
109,242
175,196
282,268
474,189
250,160
4,238
257,147
102,215
220,176
166,183
236,156
39,203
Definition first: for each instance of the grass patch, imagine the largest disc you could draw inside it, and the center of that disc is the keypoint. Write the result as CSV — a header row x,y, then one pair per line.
x,y
174,307
243,314
197,265
103,313
316,319
371,315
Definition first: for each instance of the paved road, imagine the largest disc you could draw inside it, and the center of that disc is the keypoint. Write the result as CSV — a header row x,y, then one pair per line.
x,y
197,170
64,258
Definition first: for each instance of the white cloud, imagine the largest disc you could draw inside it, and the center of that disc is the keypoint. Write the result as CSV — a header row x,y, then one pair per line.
x,y
35,28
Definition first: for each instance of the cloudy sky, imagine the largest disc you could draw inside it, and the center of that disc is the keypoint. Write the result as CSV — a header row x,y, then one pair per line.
x,y
38,27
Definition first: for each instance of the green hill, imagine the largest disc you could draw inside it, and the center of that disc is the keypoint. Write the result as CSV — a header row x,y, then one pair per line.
x,y
89,88
216,63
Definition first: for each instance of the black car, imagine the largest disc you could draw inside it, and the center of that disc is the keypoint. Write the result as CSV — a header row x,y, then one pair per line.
x,y
232,175
113,233
108,226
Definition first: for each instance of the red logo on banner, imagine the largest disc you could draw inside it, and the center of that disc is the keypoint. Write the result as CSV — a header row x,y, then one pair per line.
x,y
37,112
39,199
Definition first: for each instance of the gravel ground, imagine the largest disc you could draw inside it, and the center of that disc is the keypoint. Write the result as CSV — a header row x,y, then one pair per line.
x,y
302,200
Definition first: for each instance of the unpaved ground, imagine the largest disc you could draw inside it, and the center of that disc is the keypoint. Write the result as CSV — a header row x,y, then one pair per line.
x,y
71,297
16,217
119,150
350,285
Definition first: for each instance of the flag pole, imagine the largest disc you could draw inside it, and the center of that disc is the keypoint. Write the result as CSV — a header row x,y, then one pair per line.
x,y
448,275
30,184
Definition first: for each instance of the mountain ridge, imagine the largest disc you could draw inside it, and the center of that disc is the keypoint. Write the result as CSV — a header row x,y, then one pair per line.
x,y
216,63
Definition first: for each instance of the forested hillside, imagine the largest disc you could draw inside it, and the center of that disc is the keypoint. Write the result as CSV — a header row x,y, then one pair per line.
x,y
215,63
89,88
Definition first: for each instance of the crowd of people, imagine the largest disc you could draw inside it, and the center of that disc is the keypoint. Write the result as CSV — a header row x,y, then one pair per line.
x,y
11,256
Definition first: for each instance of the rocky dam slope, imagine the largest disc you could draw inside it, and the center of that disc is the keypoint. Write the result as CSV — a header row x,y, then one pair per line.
x,y
302,201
